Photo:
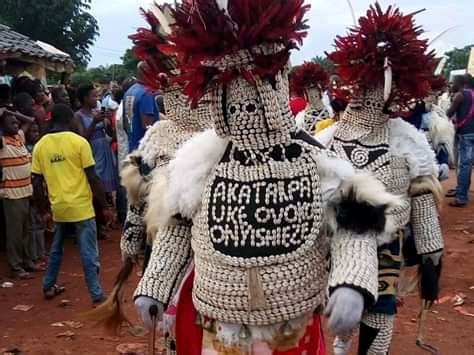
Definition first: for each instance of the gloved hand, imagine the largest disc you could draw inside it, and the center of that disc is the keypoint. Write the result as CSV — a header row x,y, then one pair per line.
x,y
443,172
344,309
143,304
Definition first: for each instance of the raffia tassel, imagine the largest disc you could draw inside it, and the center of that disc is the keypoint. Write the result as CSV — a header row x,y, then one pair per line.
x,y
255,290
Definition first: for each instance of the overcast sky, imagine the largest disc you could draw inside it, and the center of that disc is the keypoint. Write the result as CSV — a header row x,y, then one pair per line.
x,y
327,18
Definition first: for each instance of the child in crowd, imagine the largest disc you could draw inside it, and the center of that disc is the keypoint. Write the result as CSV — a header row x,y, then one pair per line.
x,y
16,190
37,220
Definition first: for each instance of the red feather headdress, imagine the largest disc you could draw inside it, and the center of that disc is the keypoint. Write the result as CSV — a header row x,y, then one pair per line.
x,y
308,75
217,40
159,66
382,38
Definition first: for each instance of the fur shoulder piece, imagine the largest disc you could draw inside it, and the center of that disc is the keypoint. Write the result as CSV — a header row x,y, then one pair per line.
x,y
407,142
131,178
190,169
326,135
355,201
442,130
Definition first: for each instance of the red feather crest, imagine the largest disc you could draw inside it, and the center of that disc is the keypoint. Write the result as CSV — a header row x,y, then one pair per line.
x,y
207,39
360,55
308,75
147,44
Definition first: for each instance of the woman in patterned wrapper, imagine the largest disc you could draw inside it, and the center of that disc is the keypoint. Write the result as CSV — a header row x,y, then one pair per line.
x,y
256,205
371,59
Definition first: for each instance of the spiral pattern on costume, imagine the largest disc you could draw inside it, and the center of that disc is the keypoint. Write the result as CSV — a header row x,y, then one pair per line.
x,y
360,157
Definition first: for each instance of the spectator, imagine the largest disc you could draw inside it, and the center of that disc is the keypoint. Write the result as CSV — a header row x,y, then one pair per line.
x,y
5,95
16,190
64,161
37,220
462,109
110,100
96,127
60,96
139,110
23,103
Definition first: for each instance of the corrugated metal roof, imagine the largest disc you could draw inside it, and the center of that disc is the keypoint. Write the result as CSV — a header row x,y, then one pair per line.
x,y
12,42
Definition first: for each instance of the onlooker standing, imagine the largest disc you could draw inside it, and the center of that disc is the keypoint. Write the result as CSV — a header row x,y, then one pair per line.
x,y
17,190
60,96
139,110
37,219
463,108
64,161
95,126
23,103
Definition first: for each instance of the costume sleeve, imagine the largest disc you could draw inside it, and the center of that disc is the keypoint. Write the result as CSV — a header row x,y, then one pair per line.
x,y
358,219
170,256
425,194
134,231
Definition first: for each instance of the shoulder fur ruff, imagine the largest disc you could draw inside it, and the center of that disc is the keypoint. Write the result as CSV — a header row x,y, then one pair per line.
x,y
131,179
442,130
362,205
326,135
157,213
407,142
332,171
190,169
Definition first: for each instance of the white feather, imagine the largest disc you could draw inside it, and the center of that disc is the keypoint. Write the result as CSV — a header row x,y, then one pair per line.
x,y
164,23
441,65
351,8
190,169
388,80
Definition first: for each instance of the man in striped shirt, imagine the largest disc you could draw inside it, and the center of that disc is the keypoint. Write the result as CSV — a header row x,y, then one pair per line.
x,y
16,190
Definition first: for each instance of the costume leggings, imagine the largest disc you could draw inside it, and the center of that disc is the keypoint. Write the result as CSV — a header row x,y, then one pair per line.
x,y
375,336
376,330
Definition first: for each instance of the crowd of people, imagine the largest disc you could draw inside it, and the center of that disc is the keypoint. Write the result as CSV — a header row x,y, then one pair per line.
x,y
81,198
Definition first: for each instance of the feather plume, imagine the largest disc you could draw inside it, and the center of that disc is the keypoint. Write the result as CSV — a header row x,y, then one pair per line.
x,y
206,32
360,54
351,8
308,75
147,44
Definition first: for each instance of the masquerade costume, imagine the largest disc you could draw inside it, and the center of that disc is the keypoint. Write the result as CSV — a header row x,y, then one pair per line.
x,y
267,203
310,82
386,63
161,140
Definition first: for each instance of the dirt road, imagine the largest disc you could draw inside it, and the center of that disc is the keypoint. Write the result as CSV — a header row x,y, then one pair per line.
x,y
32,332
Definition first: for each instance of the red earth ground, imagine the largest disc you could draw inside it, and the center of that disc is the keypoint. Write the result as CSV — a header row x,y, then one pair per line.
x,y
31,332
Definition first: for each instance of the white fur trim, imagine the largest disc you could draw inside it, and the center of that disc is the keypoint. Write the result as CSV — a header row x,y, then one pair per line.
x,y
299,119
326,135
442,130
407,142
158,213
190,169
132,180
332,172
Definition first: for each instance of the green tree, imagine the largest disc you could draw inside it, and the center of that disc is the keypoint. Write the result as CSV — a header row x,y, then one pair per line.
x,y
324,62
66,24
458,58
129,61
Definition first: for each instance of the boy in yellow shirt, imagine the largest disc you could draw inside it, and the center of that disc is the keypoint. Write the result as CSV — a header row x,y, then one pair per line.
x,y
64,161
